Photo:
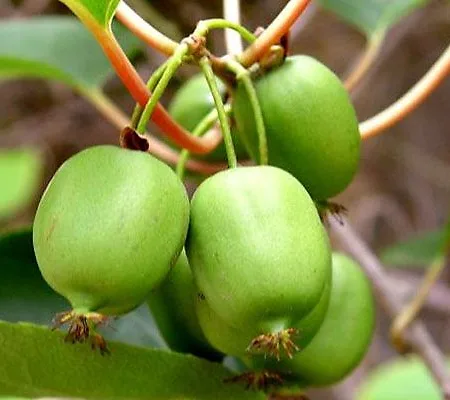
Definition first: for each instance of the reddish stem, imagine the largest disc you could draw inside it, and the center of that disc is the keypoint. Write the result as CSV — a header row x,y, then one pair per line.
x,y
141,95
144,30
274,32
410,101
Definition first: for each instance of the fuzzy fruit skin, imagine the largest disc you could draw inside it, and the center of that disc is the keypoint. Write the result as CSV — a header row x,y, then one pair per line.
x,y
172,305
257,248
344,336
191,103
108,228
311,126
235,341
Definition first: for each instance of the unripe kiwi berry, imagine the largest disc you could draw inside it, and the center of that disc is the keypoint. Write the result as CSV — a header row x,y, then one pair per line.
x,y
108,228
257,248
172,305
311,125
235,341
403,378
344,336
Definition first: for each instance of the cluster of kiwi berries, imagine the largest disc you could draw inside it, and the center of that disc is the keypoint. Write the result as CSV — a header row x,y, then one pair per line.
x,y
245,268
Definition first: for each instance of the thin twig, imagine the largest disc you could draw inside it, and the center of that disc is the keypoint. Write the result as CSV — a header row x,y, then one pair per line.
x,y
364,63
410,101
274,32
232,12
438,299
417,336
143,30
411,310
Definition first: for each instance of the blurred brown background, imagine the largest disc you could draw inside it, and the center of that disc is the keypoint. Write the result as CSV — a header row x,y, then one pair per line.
x,y
403,186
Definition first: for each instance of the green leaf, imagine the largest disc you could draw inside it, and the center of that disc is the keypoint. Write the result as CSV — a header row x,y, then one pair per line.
x,y
101,10
25,296
37,362
418,251
19,177
58,48
372,17
401,379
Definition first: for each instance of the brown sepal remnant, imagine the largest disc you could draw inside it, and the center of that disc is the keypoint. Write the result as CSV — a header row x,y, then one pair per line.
x,y
129,139
197,45
257,380
327,208
284,43
82,328
272,343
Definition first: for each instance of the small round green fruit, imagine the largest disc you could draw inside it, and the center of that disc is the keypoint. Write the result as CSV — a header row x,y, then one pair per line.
x,y
311,125
235,341
406,378
108,228
344,336
257,248
172,305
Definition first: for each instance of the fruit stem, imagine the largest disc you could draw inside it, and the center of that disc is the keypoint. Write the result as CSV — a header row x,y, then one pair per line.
x,y
151,84
243,75
172,66
365,61
232,12
410,101
409,313
223,118
188,45
118,118
136,86
206,25
141,94
143,30
205,124
274,32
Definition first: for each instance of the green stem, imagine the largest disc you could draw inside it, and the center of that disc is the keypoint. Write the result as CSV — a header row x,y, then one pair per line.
x,y
243,75
151,84
223,119
410,312
172,66
204,26
203,126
